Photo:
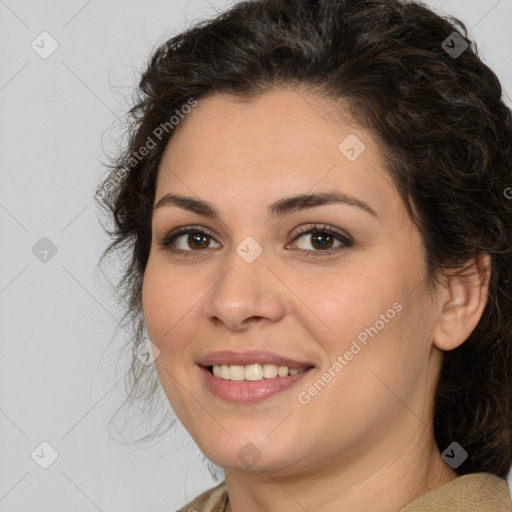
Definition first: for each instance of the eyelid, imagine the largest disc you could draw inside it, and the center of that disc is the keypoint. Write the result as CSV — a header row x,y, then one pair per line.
x,y
183,230
321,227
344,238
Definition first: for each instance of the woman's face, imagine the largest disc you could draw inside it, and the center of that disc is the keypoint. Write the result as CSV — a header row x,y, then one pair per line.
x,y
349,303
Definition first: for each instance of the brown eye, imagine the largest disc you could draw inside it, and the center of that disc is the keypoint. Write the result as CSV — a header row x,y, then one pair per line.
x,y
198,241
322,240
188,239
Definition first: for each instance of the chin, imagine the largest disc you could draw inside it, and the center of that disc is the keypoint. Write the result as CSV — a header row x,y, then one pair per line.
x,y
251,456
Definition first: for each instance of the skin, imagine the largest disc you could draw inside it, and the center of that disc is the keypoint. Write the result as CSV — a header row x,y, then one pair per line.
x,y
367,436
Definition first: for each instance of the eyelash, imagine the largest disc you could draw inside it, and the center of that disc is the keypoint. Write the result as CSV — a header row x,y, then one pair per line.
x,y
305,230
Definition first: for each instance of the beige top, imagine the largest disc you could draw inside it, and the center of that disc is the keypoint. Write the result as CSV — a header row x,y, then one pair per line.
x,y
477,492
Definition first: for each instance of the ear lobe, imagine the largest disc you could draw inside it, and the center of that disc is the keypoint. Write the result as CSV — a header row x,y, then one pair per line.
x,y
462,303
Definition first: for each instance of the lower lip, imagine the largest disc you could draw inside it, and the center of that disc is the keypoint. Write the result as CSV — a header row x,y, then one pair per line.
x,y
247,392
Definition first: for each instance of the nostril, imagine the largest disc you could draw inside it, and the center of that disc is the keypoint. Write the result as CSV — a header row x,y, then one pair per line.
x,y
252,319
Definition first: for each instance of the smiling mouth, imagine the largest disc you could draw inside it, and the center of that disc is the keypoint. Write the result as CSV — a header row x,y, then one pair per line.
x,y
252,376
254,372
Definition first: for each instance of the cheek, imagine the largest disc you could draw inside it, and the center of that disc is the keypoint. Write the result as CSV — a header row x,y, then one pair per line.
x,y
345,304
371,347
164,302
154,302
369,318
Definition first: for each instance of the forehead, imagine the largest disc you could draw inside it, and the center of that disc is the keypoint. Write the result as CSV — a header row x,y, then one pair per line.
x,y
282,141
278,122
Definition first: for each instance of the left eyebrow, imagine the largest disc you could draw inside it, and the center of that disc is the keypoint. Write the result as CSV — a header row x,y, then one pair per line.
x,y
278,209
291,204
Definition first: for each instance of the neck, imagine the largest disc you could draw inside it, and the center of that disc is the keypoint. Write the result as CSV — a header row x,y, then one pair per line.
x,y
356,488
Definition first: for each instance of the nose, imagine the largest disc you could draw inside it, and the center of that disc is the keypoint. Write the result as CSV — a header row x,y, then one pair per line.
x,y
248,293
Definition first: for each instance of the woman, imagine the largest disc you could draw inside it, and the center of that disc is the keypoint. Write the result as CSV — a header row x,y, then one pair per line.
x,y
314,203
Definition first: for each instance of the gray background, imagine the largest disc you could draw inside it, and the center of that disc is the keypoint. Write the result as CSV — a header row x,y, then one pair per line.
x,y
60,369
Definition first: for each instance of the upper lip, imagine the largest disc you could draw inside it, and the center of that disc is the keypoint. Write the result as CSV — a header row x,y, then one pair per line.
x,y
230,357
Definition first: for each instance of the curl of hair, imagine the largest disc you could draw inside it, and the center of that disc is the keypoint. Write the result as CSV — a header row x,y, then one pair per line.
x,y
445,134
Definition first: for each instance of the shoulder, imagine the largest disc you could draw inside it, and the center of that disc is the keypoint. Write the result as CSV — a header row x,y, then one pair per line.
x,y
212,500
476,492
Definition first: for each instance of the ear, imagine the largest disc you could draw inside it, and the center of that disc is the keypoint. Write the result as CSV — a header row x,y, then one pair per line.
x,y
462,301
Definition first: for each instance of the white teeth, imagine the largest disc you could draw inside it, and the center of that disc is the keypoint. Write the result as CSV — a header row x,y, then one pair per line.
x,y
282,371
269,371
253,372
236,372
221,371
224,371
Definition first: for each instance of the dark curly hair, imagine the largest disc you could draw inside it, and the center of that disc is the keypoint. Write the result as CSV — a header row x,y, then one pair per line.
x,y
445,134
